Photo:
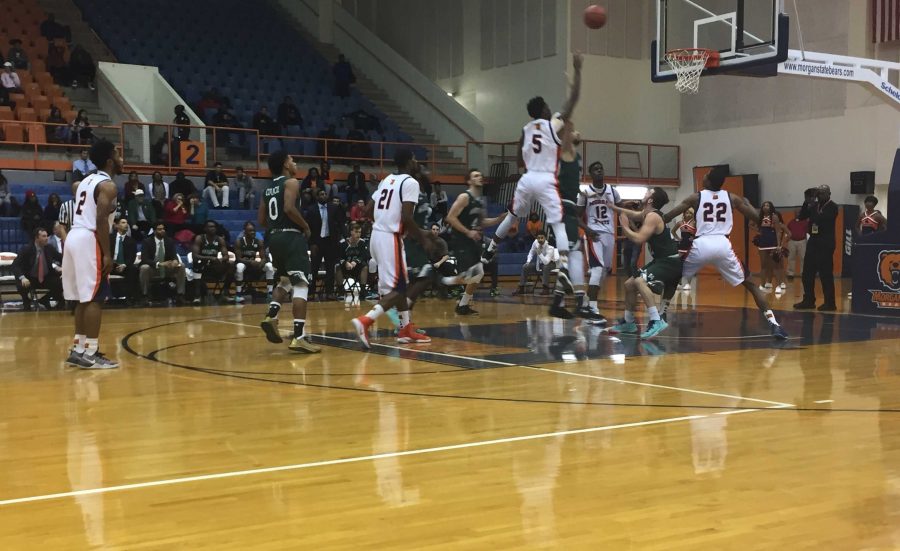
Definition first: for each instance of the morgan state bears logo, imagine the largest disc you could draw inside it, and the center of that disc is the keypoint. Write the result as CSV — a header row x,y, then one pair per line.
x,y
889,275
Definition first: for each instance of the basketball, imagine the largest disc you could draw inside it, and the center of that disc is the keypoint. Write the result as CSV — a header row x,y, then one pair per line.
x,y
595,16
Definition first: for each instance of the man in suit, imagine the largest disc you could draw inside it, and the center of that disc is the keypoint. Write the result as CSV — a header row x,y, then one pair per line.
x,y
38,266
82,166
141,215
159,260
124,251
326,223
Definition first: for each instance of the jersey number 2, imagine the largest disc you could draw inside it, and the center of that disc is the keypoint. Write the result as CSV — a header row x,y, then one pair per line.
x,y
708,212
81,199
386,195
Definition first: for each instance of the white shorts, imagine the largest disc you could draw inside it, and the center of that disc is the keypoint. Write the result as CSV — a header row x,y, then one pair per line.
x,y
542,187
81,277
388,253
600,253
716,251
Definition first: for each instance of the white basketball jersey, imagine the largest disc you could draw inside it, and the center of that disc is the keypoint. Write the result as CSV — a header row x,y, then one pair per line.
x,y
714,216
540,148
597,208
392,192
85,213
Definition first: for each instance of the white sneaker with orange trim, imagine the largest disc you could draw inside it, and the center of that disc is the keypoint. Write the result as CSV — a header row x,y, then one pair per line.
x,y
362,324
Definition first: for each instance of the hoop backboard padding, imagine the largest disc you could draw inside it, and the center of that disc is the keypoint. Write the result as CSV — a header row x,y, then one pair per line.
x,y
745,33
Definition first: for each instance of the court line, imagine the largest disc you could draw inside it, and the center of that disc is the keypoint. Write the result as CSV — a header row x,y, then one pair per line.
x,y
572,373
680,389
357,459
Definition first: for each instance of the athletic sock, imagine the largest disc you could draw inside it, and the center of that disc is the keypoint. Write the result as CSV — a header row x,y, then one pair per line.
x,y
580,297
404,318
564,262
269,286
90,347
492,246
770,315
238,288
654,313
593,305
464,300
274,308
558,298
629,316
298,328
665,305
79,343
375,312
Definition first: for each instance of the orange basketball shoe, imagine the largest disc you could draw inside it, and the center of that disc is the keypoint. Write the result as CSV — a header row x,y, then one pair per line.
x,y
410,335
362,324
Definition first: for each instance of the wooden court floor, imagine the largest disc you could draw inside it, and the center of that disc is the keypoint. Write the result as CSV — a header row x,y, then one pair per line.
x,y
509,431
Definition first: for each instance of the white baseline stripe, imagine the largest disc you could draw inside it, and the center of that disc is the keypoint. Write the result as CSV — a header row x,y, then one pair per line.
x,y
298,466
680,389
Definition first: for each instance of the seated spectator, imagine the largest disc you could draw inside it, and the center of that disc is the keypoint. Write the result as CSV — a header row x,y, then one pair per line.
x,y
306,199
175,213
32,213
82,68
58,239
81,130
182,185
199,213
534,225
331,192
356,185
160,261
354,261
159,192
264,123
216,187
57,65
210,262
252,262
51,211
38,266
225,119
542,259
124,251
363,121
325,170
59,132
358,149
17,55
246,193
288,114
82,166
439,202
343,77
209,100
10,80
141,215
131,186
312,181
358,212
5,196
51,30
159,151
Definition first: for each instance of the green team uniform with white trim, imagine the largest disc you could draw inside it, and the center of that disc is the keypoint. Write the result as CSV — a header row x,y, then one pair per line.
x,y
569,186
666,265
287,244
466,251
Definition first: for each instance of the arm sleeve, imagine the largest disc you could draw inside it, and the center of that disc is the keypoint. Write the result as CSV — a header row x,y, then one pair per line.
x,y
616,197
409,191
582,200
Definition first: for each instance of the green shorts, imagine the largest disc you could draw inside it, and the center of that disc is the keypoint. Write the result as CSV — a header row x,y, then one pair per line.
x,y
416,259
662,273
570,219
466,252
290,256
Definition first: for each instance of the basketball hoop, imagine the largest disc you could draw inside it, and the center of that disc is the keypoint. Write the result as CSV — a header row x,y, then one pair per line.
x,y
688,64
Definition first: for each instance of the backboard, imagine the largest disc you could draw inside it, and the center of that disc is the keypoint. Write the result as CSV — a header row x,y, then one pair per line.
x,y
747,34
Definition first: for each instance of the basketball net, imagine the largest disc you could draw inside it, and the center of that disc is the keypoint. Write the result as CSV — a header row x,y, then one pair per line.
x,y
688,64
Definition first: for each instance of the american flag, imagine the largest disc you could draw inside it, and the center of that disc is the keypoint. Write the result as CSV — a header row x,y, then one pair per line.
x,y
885,20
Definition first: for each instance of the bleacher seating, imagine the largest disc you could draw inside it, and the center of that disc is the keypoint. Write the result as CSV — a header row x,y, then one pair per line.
x,y
252,65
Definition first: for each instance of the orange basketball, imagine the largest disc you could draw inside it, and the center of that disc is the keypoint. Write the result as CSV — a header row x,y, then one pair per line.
x,y
595,16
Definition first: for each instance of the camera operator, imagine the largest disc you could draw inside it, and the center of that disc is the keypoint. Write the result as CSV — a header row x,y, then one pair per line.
x,y
822,214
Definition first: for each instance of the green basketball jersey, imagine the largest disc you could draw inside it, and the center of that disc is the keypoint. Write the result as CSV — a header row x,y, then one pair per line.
x,y
423,210
472,214
570,178
250,248
274,198
358,252
662,245
209,248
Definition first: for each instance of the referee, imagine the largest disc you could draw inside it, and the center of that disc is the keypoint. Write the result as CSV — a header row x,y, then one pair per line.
x,y
822,214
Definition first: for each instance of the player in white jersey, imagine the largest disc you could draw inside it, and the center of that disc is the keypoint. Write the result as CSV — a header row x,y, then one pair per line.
x,y
87,259
715,218
394,203
539,148
595,215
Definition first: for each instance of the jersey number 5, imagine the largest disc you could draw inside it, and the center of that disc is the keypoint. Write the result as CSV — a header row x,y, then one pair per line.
x,y
719,214
536,143
81,199
385,195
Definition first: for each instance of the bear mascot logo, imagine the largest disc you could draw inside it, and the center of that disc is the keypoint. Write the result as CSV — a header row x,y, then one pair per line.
x,y
889,269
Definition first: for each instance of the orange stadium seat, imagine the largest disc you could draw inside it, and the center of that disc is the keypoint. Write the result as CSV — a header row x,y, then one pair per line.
x,y
44,79
44,114
38,66
37,133
18,99
13,132
40,103
6,114
26,114
69,115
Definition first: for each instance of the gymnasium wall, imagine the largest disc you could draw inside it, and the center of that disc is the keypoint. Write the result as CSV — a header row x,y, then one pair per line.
x,y
797,132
